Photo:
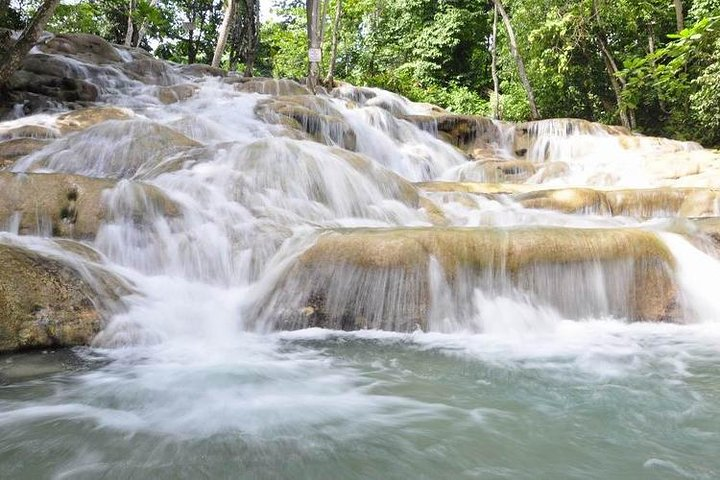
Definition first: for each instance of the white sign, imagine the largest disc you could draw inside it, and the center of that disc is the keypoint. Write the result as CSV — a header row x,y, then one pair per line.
x,y
315,55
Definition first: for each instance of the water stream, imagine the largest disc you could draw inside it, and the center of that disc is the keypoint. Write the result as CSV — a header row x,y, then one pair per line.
x,y
533,370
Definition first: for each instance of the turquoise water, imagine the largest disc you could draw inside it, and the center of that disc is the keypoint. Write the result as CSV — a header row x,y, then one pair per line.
x,y
590,400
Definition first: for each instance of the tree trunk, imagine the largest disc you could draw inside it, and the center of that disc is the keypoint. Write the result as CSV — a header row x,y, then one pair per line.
x,y
143,27
13,57
252,40
679,17
333,50
313,29
627,116
493,69
223,33
518,60
130,30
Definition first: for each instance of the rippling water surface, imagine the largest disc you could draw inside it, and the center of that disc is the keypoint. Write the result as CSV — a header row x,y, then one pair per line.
x,y
595,400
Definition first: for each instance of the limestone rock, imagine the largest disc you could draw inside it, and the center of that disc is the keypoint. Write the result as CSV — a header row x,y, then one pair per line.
x,y
383,278
310,114
14,149
199,70
176,93
271,86
81,119
68,205
47,302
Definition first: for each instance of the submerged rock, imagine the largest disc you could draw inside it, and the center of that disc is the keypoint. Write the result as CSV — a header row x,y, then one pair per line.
x,y
400,279
46,302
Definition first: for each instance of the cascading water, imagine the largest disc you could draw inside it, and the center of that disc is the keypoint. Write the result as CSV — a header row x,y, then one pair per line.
x,y
494,326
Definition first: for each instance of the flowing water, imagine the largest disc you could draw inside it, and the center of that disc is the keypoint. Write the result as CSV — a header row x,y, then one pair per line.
x,y
546,377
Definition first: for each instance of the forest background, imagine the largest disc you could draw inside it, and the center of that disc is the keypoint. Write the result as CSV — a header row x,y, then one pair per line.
x,y
651,65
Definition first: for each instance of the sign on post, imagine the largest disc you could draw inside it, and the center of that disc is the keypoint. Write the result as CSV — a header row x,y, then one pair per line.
x,y
315,55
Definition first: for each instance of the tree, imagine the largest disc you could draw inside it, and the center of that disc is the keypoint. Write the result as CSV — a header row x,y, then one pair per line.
x,y
333,49
314,33
223,33
679,17
13,55
518,60
493,67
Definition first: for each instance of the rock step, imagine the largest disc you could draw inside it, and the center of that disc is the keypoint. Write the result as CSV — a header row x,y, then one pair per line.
x,y
643,203
73,206
399,279
53,300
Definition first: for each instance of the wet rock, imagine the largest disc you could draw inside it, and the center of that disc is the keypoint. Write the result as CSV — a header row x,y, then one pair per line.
x,y
474,187
48,302
28,131
150,71
85,47
81,119
271,86
567,200
176,93
310,114
383,278
68,205
199,70
493,171
114,149
14,149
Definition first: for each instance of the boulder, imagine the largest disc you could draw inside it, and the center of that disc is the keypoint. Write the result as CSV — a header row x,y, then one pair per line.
x,y
16,148
69,205
392,278
311,114
114,149
493,171
82,46
77,120
199,70
272,86
48,301
176,93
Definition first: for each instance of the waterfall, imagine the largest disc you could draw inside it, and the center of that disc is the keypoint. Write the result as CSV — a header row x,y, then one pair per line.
x,y
353,209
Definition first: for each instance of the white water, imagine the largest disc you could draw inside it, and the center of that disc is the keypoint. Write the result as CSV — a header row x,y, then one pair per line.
x,y
553,384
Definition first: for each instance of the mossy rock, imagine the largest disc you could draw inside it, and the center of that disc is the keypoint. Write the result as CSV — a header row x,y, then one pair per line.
x,y
46,302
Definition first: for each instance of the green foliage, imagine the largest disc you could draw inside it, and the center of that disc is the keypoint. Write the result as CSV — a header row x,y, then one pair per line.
x,y
683,77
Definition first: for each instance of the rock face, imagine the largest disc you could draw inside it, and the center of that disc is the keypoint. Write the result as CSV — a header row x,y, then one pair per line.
x,y
68,205
310,114
400,279
14,149
114,149
45,302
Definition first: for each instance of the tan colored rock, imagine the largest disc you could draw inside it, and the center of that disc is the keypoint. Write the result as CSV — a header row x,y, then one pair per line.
x,y
475,187
510,171
382,278
200,70
176,93
313,115
567,200
85,47
13,150
114,149
48,302
28,131
272,86
68,205
77,120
